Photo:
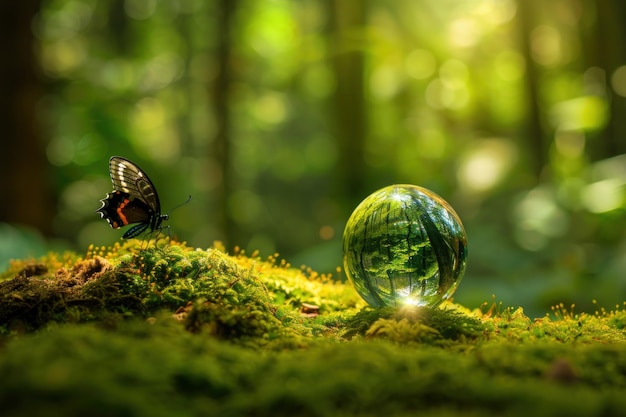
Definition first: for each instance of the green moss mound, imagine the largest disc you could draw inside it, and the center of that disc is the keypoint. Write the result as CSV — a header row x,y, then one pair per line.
x,y
172,330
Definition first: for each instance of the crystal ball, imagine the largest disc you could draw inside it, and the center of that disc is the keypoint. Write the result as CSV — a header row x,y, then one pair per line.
x,y
404,245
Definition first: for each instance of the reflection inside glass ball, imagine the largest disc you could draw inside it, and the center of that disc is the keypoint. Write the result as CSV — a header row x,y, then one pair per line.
x,y
404,245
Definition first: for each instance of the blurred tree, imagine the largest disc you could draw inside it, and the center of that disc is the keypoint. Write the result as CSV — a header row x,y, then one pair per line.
x,y
348,110
25,188
604,51
534,130
221,95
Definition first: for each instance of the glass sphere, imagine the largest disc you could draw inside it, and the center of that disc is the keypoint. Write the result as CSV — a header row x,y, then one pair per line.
x,y
404,245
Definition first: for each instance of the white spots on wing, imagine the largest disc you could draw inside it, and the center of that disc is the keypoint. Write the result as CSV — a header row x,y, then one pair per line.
x,y
121,167
135,174
120,176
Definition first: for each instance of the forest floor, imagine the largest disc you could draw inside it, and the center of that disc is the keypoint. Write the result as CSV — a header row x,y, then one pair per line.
x,y
173,330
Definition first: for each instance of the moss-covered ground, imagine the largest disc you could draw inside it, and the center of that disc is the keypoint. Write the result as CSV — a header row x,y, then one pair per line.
x,y
170,330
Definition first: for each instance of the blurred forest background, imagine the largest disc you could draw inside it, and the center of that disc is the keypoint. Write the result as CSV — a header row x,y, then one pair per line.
x,y
279,117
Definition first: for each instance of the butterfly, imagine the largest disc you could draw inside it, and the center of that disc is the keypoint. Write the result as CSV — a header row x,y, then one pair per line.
x,y
133,200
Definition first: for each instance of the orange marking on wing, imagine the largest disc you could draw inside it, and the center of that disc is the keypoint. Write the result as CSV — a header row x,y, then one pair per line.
x,y
120,213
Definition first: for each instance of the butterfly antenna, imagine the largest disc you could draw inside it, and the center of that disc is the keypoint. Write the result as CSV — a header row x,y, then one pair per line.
x,y
181,204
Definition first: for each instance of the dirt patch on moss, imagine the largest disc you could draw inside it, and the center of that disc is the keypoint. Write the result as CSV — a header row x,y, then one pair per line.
x,y
34,297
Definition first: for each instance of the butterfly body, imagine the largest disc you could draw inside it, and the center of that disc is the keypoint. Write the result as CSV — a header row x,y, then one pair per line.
x,y
133,200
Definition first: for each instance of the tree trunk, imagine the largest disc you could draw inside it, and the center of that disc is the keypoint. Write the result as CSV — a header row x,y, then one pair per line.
x,y
534,133
348,106
221,99
607,51
24,172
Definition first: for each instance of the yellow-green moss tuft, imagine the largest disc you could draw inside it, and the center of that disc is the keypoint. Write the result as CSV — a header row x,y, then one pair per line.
x,y
147,328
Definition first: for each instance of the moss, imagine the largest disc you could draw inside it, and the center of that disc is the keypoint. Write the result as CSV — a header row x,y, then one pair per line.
x,y
172,330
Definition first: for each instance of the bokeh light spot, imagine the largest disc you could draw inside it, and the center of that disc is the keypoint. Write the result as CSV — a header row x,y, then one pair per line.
x,y
270,108
538,218
486,164
546,45
618,81
385,82
420,64
588,112
464,32
60,151
510,65
140,9
604,196
327,232
59,59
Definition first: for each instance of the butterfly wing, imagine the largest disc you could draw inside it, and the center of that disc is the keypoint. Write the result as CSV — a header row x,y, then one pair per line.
x,y
133,200
119,210
129,178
